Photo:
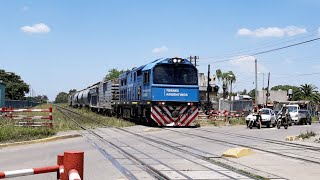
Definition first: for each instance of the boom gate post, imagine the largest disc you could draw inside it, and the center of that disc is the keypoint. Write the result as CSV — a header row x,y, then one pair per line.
x,y
73,162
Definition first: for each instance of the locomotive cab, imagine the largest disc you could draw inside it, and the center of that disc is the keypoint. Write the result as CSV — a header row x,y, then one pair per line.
x,y
171,86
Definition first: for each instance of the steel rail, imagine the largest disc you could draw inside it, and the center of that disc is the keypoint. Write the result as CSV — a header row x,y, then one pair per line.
x,y
248,146
152,171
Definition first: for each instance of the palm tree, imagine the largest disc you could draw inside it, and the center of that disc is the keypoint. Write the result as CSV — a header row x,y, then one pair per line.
x,y
309,92
226,78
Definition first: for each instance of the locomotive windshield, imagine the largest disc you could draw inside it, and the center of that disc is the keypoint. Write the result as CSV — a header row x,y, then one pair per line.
x,y
182,74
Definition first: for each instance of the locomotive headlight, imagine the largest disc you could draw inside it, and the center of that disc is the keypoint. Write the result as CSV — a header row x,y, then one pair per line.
x,y
175,60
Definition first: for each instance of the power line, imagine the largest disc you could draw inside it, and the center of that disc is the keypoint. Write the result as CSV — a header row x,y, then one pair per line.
x,y
268,51
314,32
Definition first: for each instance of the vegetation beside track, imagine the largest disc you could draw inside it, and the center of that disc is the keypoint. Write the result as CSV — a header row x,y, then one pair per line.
x,y
307,135
230,121
98,120
11,133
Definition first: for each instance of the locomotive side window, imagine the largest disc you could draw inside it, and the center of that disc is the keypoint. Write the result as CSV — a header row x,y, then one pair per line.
x,y
146,78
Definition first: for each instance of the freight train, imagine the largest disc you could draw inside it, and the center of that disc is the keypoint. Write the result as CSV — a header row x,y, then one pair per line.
x,y
164,92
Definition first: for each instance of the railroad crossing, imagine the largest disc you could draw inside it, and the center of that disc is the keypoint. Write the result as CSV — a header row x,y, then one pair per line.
x,y
141,152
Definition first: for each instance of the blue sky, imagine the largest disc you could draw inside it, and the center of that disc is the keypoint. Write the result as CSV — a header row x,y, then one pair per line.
x,y
59,45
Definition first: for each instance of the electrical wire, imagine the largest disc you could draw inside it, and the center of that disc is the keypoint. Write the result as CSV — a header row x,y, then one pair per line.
x,y
266,51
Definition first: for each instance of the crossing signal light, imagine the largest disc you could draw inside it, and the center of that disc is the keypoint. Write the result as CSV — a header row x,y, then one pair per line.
x,y
209,88
215,88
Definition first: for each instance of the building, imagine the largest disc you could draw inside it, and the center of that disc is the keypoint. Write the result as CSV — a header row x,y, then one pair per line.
x,y
2,93
277,96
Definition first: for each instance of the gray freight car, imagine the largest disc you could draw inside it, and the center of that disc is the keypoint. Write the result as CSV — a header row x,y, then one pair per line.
x,y
108,94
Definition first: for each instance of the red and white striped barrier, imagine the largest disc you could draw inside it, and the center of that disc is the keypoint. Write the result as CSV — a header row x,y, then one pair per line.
x,y
28,119
73,161
26,172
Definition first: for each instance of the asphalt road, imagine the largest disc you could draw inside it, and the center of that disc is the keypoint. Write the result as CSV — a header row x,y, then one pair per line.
x,y
178,153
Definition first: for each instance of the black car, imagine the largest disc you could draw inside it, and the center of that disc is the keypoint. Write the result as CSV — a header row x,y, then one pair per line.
x,y
305,117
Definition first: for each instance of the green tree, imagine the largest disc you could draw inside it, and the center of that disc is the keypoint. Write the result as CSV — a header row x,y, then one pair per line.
x,y
16,88
309,92
227,79
113,74
71,91
39,99
62,97
252,94
244,92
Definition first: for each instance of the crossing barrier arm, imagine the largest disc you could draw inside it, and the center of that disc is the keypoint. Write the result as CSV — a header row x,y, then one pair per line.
x,y
69,167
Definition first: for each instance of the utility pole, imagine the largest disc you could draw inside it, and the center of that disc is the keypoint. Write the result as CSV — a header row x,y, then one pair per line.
x,y
268,90
256,81
195,58
208,90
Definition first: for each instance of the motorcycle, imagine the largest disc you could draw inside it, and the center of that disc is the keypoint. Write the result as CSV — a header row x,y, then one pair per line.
x,y
254,122
283,121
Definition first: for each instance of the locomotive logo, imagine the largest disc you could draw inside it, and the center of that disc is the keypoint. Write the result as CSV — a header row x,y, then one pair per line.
x,y
174,92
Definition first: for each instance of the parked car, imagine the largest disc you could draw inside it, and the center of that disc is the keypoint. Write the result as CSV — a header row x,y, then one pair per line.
x,y
268,117
305,117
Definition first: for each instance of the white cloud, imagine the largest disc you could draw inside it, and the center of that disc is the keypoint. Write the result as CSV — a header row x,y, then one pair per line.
x,y
246,64
319,31
159,50
36,28
272,31
25,8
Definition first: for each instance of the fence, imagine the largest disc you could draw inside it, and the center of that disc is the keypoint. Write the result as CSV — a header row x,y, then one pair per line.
x,y
69,167
24,120
19,103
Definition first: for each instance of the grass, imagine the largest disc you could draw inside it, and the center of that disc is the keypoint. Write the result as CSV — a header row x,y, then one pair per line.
x,y
94,120
211,122
314,119
307,135
15,134
11,133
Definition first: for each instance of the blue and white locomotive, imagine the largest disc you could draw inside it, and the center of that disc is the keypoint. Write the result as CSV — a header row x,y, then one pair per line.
x,y
164,92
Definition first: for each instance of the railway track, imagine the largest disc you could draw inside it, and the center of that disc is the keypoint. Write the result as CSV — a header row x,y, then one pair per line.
x,y
164,146
308,159
152,171
284,143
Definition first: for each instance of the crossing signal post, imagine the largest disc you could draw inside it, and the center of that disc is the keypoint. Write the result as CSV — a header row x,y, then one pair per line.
x,y
209,89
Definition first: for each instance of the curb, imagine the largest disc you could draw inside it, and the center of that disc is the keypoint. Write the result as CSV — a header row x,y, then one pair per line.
x,y
48,139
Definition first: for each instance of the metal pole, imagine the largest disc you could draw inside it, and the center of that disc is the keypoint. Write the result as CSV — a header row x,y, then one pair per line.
x,y
268,89
231,95
256,81
263,87
195,61
208,92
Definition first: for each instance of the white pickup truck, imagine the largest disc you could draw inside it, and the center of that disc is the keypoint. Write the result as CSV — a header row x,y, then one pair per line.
x,y
293,110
